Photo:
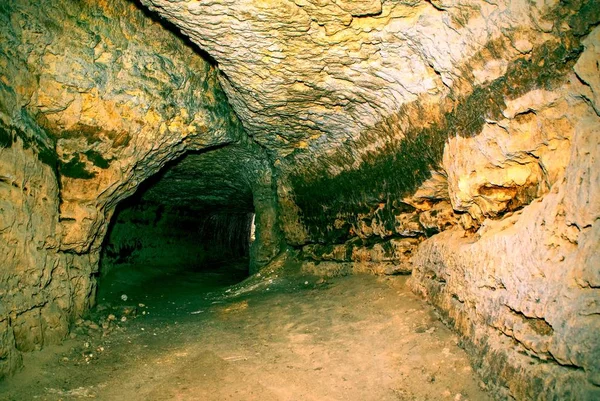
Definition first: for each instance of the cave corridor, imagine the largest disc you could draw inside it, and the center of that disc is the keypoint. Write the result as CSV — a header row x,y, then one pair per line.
x,y
362,200
191,222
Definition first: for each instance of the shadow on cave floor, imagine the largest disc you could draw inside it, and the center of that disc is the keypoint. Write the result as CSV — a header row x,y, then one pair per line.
x,y
164,287
276,336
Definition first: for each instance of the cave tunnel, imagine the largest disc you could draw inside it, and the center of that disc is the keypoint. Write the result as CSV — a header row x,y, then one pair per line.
x,y
193,222
364,200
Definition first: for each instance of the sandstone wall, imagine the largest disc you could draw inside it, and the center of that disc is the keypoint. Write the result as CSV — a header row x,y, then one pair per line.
x,y
29,238
523,289
95,97
460,131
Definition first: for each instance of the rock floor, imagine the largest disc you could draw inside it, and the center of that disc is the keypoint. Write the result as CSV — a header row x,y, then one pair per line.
x,y
191,337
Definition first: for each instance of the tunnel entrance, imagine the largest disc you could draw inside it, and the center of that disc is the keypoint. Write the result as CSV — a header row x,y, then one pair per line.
x,y
188,229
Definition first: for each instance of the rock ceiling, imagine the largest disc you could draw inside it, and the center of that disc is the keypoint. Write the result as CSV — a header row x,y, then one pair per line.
x,y
315,73
355,129
210,180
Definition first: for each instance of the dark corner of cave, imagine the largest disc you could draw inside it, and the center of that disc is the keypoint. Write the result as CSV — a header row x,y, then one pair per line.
x,y
185,232
360,200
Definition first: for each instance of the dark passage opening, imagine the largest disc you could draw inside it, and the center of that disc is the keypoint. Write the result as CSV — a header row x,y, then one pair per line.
x,y
187,229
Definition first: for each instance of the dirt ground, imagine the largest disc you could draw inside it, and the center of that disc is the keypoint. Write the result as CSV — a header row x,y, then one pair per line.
x,y
191,336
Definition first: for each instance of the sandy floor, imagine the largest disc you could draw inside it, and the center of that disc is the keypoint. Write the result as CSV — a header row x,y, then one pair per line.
x,y
303,338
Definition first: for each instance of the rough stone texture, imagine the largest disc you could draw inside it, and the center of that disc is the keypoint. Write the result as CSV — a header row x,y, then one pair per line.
x,y
466,111
28,197
525,288
306,73
515,159
94,98
210,180
96,77
381,240
517,295
356,256
466,130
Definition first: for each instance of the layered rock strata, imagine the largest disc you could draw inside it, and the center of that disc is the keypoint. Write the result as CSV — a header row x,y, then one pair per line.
x,y
523,290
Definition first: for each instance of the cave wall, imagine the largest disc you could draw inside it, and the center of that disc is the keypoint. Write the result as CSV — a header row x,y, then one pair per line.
x,y
94,99
400,127
28,198
504,230
523,290
41,288
501,236
453,139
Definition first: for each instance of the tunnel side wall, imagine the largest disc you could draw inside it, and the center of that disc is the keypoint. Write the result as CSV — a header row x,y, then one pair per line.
x,y
501,236
518,276
94,99
524,291
41,287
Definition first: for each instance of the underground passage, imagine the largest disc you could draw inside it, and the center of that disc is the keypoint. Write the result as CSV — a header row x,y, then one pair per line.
x,y
299,200
193,221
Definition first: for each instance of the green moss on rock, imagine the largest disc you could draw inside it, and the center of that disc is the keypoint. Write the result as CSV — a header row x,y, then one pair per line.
x,y
32,140
401,167
75,168
92,134
6,138
48,157
588,16
97,159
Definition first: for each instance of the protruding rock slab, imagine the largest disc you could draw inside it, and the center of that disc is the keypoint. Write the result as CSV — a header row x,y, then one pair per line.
x,y
524,290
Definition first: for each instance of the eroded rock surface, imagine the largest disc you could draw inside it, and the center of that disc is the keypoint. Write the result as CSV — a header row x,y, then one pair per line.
x,y
521,290
525,288
483,112
306,72
95,98
454,139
